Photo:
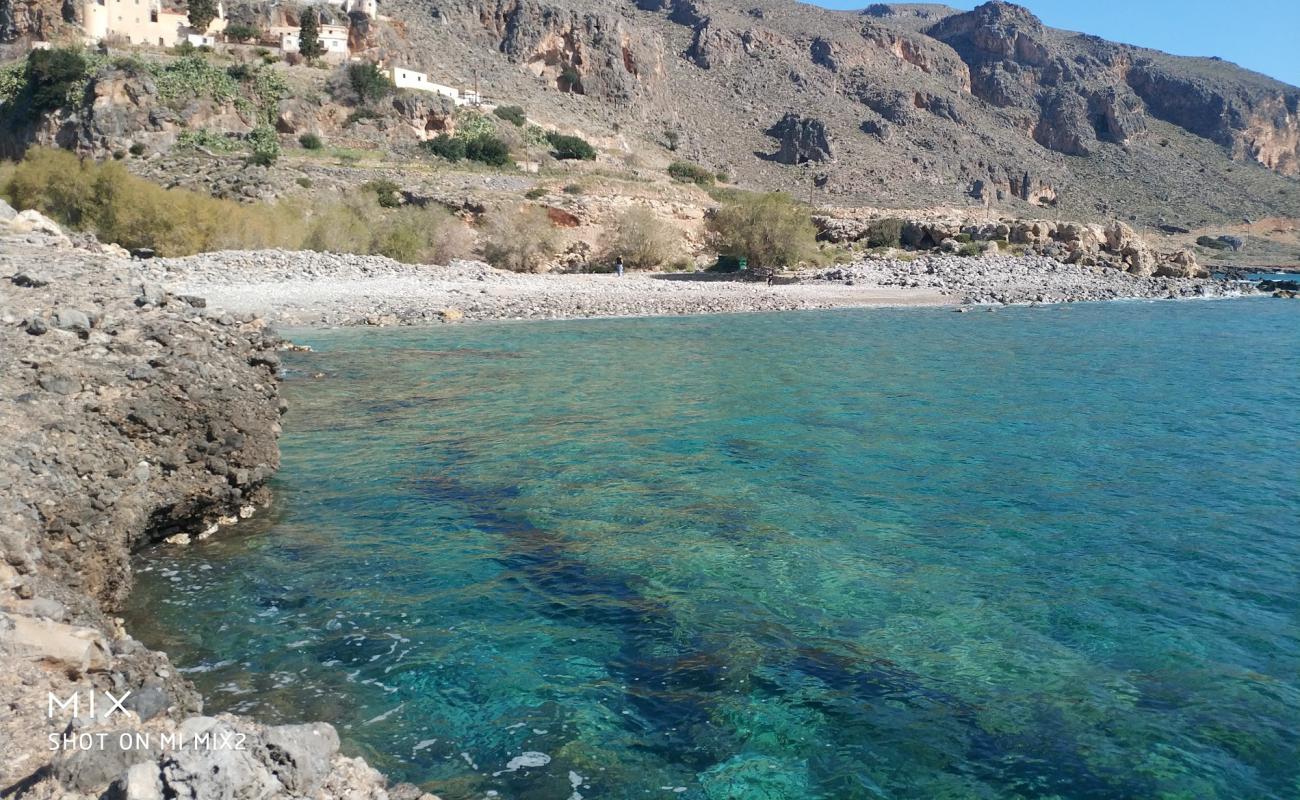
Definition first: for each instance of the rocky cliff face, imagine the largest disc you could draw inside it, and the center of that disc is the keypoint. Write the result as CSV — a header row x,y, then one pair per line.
x,y
129,416
34,20
924,104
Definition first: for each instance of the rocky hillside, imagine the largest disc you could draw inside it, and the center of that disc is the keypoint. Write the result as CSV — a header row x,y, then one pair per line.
x,y
899,104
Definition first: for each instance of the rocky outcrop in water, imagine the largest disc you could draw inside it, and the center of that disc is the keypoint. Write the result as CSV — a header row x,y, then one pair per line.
x,y
128,416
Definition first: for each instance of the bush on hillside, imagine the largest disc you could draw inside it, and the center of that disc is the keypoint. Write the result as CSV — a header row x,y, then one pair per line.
x,y
642,239
686,172
445,147
771,230
573,148
1211,242
266,146
488,150
387,193
53,78
310,141
368,82
522,240
512,114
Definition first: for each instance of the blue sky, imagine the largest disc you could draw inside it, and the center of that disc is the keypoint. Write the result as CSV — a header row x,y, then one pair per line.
x,y
1263,35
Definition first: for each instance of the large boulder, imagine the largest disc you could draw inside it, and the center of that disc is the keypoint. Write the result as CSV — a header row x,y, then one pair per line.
x,y
221,771
299,755
75,650
803,139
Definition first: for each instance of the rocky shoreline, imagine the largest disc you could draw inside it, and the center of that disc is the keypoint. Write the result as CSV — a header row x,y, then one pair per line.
x,y
311,289
129,416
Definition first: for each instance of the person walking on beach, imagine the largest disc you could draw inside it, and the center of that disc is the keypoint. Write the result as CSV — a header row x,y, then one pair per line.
x,y
618,266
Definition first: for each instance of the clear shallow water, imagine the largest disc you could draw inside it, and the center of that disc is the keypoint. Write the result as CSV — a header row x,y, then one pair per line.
x,y
910,554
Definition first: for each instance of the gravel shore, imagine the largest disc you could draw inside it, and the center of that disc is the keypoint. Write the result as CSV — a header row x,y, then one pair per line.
x,y
306,288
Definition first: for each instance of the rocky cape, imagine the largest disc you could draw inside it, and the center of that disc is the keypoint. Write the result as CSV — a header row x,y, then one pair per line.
x,y
129,416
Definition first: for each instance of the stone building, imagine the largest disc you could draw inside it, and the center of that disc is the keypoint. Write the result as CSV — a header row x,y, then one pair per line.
x,y
145,22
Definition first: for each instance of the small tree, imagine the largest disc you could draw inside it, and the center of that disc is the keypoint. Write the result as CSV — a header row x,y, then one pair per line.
x,y
201,13
521,239
242,32
309,43
570,147
770,230
643,240
368,82
52,77
672,139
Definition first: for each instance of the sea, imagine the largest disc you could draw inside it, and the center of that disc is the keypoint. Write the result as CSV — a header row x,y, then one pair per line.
x,y
1046,552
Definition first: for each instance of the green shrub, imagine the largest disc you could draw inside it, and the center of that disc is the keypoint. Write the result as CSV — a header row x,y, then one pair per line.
x,y
964,238
122,208
242,32
446,147
310,141
642,239
54,78
512,114
573,148
265,144
535,193
13,81
137,148
192,76
769,229
885,233
687,172
422,236
207,140
368,82
969,250
303,181
521,239
722,176
570,79
488,150
572,188
1211,242
672,139
387,193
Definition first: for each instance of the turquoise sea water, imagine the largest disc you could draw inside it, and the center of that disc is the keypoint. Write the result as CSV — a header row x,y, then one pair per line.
x,y
1042,553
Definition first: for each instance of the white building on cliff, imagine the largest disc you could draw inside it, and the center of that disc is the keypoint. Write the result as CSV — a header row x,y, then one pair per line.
x,y
145,22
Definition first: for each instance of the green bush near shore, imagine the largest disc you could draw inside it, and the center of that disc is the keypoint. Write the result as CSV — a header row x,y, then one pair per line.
x,y
769,229
643,240
520,239
885,233
118,207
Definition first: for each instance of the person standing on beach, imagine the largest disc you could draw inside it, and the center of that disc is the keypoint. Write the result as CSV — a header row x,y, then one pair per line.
x,y
618,266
